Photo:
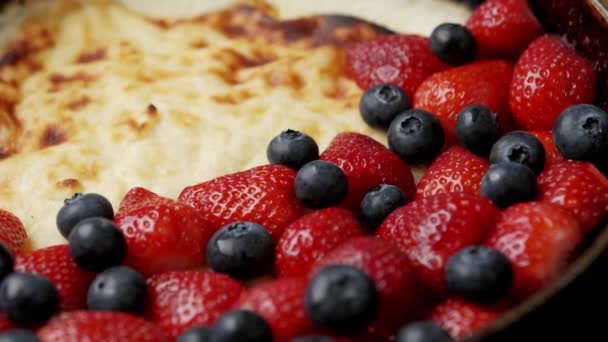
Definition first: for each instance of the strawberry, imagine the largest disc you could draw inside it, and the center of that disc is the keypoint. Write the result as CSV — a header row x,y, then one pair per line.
x,y
78,326
56,264
182,299
462,319
264,195
431,229
503,28
538,238
392,273
549,77
162,234
446,93
552,154
6,324
403,60
367,164
577,187
12,232
455,170
308,238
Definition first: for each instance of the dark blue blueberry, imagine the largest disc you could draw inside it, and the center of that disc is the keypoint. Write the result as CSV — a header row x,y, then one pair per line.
x,y
477,129
519,147
241,326
18,335
6,262
96,244
312,338
479,273
28,298
320,184
380,202
196,334
509,183
342,299
581,133
416,136
119,288
243,250
423,331
381,103
80,207
453,43
292,149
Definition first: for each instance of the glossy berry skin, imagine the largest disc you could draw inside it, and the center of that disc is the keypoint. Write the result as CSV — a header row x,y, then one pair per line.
x,y
243,250
6,262
28,298
379,203
477,129
320,184
552,154
381,103
241,326
195,334
96,243
519,147
82,206
461,318
292,149
454,44
423,331
342,299
581,133
18,335
12,232
508,183
416,136
119,288
479,274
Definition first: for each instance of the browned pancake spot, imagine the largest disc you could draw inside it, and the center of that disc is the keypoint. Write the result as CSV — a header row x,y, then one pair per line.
x,y
92,56
58,80
234,97
70,183
79,103
53,135
152,110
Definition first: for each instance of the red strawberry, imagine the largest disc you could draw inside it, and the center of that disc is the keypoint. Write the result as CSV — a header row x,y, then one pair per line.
x,y
162,234
6,324
56,264
264,195
281,303
548,78
577,187
538,238
552,153
392,272
182,299
431,229
503,28
446,93
308,238
367,164
404,60
455,170
12,233
462,319
79,326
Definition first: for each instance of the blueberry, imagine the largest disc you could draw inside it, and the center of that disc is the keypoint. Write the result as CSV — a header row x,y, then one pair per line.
x,y
423,331
312,338
241,326
380,202
320,184
195,334
581,133
292,149
416,136
119,288
243,250
453,43
342,299
519,147
477,129
96,244
28,298
6,262
479,273
381,103
18,335
509,183
80,207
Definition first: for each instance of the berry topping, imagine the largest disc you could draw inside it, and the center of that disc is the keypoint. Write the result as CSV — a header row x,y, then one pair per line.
x,y
12,232
342,299
416,136
509,183
292,149
6,262
477,129
196,334
423,331
243,250
552,154
381,103
453,43
581,133
380,202
519,147
241,326
462,319
18,335
80,207
118,288
96,244
321,184
28,298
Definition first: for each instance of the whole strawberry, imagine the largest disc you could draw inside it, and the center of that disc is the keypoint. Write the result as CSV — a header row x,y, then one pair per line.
x,y
264,195
549,77
552,154
12,232
462,319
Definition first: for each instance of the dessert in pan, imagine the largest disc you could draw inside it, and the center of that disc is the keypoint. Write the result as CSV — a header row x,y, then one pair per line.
x,y
310,171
